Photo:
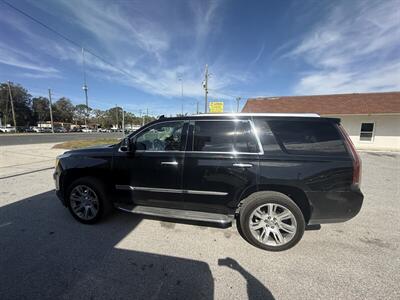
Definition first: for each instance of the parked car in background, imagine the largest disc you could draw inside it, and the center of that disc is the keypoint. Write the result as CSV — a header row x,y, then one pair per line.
x,y
60,130
76,129
274,173
87,130
7,129
29,129
103,130
46,130
37,129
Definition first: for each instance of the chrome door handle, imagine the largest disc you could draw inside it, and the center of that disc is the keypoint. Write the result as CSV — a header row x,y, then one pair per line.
x,y
243,165
169,163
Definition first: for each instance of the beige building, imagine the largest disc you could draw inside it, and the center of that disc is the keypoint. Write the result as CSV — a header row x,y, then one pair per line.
x,y
371,119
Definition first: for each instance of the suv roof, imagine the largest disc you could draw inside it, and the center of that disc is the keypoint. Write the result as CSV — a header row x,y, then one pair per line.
x,y
308,115
291,116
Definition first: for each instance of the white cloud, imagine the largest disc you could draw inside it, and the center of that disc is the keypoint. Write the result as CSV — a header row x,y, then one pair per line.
x,y
24,60
355,49
138,42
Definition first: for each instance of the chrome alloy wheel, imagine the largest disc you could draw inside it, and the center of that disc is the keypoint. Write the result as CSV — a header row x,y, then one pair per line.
x,y
273,224
84,202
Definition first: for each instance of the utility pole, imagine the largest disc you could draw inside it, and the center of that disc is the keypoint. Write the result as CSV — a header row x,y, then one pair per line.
x,y
51,112
85,88
141,116
116,110
6,114
123,122
238,102
12,106
205,86
197,107
147,113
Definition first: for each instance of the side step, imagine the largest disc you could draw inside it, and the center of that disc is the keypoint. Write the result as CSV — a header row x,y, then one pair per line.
x,y
190,216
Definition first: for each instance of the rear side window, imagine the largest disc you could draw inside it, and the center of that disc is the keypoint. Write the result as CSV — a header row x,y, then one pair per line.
x,y
309,137
267,138
224,136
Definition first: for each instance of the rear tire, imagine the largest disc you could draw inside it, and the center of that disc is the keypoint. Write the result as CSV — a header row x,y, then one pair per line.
x,y
271,221
87,201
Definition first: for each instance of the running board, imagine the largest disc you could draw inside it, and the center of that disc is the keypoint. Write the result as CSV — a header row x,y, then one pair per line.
x,y
190,216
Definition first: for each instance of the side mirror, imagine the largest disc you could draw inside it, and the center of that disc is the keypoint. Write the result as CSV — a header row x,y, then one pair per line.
x,y
127,146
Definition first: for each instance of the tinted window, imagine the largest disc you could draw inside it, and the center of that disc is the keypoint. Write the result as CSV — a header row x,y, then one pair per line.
x,y
267,138
245,141
161,137
308,137
224,136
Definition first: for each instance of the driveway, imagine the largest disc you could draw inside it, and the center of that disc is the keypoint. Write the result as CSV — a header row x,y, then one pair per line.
x,y
46,254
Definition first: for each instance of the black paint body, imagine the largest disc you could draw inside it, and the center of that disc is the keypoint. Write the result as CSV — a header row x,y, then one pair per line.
x,y
320,184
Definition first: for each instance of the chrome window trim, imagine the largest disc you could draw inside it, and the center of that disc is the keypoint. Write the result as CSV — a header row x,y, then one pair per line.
x,y
205,152
253,128
155,124
164,190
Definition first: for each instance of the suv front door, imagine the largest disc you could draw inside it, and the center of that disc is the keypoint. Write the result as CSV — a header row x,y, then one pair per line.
x,y
221,161
152,174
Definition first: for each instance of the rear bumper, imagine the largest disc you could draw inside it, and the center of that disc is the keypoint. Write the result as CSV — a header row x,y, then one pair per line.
x,y
334,207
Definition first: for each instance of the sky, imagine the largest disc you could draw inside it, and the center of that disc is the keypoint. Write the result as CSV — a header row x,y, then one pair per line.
x,y
157,49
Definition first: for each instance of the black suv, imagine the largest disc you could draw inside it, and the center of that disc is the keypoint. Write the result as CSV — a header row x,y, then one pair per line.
x,y
274,173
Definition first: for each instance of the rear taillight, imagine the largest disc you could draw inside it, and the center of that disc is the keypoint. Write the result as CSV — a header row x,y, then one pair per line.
x,y
354,155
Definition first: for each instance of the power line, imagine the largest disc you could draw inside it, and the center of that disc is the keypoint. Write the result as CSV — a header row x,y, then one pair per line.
x,y
66,38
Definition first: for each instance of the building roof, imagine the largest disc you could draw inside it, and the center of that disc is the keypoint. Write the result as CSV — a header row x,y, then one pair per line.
x,y
338,104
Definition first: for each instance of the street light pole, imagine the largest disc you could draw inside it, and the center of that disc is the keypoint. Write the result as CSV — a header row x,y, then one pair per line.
x,y
205,86
85,88
238,102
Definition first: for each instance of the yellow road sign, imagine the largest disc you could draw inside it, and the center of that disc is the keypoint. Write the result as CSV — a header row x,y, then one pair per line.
x,y
216,107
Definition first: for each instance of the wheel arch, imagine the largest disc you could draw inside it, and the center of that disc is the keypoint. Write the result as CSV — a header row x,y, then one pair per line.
x,y
71,175
296,194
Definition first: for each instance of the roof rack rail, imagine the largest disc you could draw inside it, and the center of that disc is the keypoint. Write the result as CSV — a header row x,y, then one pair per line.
x,y
309,115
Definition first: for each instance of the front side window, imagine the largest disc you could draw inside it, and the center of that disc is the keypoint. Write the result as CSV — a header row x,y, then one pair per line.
x,y
367,131
164,136
224,136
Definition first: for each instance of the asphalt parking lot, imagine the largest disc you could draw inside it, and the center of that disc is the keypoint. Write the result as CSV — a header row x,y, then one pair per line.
x,y
45,254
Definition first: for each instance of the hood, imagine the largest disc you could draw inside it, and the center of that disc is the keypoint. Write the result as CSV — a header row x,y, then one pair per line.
x,y
93,149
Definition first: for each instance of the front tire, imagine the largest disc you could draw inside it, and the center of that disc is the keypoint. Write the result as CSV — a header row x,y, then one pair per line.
x,y
271,221
86,199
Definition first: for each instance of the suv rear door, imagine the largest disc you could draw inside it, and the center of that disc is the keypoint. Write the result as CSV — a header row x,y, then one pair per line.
x,y
221,161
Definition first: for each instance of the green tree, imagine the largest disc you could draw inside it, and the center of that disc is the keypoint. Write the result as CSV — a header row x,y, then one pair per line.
x,y
115,116
131,119
22,104
41,109
80,112
100,117
63,110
